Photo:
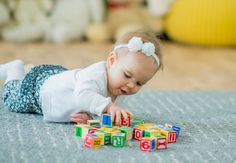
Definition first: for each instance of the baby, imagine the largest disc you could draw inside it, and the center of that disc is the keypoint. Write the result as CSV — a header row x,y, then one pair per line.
x,y
77,95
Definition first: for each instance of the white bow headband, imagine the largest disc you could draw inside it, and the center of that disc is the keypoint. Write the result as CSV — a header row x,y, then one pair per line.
x,y
135,44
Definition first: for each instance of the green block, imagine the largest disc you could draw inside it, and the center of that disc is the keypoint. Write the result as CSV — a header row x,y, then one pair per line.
x,y
78,131
82,130
118,140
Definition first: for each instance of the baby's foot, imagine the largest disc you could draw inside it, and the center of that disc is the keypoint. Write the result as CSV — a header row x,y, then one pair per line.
x,y
14,67
80,118
28,67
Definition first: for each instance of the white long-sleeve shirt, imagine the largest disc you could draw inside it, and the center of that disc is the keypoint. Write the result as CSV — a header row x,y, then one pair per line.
x,y
73,91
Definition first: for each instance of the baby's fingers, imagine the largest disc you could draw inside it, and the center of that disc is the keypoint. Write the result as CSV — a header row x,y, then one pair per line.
x,y
131,114
124,113
112,113
78,120
118,117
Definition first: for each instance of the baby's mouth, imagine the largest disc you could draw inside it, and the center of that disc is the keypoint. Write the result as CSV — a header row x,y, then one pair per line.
x,y
123,92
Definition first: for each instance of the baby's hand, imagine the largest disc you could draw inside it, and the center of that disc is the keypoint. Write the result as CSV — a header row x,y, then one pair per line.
x,y
80,118
116,112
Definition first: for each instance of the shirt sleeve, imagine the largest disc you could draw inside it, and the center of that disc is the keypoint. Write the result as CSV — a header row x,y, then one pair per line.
x,y
89,96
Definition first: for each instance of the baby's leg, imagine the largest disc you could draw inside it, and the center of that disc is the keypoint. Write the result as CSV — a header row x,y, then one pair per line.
x,y
13,99
12,71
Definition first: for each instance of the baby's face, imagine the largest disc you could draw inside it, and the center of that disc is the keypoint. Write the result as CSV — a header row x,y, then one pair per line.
x,y
126,74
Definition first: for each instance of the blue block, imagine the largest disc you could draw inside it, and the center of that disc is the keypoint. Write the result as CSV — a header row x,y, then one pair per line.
x,y
106,120
176,129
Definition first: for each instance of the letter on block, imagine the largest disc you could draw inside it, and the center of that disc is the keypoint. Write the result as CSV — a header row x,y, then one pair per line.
x,y
124,122
105,137
138,133
175,128
161,143
147,144
170,135
118,139
106,120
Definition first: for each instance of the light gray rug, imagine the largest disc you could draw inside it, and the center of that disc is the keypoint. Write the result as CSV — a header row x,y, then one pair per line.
x,y
207,121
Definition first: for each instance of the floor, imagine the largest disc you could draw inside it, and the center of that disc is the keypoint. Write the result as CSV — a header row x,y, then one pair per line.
x,y
185,67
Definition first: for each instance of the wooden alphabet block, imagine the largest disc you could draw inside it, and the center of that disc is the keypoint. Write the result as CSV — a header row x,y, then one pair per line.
x,y
161,143
93,122
92,141
105,137
128,132
138,133
124,122
118,139
136,121
173,127
82,130
106,120
152,132
147,144
170,135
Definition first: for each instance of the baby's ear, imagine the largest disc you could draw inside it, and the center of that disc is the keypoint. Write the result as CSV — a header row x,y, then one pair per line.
x,y
111,59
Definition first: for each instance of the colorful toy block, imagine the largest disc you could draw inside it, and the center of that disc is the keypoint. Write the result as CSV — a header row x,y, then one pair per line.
x,y
118,139
92,141
105,137
161,143
93,122
147,126
170,135
138,133
136,121
151,136
124,122
106,120
152,132
128,132
175,128
148,144
110,130
82,130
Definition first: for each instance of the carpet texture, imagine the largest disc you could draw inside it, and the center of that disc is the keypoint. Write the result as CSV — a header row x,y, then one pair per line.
x,y
207,121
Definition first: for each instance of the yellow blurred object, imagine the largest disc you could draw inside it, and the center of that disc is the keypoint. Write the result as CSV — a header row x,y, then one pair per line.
x,y
203,22
98,33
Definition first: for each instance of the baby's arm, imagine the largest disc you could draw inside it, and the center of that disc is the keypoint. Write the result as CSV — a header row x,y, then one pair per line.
x,y
116,111
80,118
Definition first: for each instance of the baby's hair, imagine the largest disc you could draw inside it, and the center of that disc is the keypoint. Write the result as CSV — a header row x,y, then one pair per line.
x,y
146,36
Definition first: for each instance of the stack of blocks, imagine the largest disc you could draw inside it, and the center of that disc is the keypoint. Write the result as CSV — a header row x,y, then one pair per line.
x,y
152,137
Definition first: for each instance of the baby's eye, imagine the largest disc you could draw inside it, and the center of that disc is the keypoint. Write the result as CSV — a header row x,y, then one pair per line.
x,y
126,75
139,84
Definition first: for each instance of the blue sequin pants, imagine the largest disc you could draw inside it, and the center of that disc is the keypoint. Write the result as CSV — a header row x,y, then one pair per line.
x,y
22,96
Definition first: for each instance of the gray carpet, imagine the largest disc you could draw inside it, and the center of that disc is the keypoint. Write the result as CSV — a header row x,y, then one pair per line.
x,y
207,120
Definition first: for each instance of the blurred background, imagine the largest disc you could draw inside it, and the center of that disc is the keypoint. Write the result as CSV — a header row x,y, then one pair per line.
x,y
198,36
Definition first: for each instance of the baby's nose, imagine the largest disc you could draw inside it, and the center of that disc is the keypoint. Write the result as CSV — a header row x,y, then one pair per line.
x,y
131,84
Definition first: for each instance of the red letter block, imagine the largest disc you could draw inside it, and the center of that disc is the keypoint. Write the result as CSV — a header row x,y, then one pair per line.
x,y
147,144
161,142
